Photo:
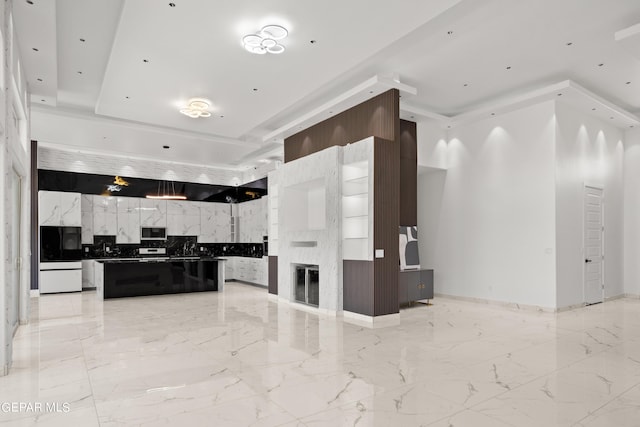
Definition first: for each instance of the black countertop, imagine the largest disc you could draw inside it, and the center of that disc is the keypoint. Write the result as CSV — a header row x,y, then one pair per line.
x,y
157,259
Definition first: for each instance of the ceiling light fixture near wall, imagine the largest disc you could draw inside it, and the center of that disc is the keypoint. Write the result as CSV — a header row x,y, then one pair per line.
x,y
197,107
266,41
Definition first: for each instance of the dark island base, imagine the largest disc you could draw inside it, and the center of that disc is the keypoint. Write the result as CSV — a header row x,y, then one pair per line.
x,y
129,279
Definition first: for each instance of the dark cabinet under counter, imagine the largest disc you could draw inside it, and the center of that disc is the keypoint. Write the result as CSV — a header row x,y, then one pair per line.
x,y
129,278
415,285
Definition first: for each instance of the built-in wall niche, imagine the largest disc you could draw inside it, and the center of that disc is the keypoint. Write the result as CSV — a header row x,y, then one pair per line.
x,y
356,244
305,206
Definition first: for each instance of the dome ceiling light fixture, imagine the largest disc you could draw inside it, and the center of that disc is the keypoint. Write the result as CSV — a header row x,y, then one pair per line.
x,y
197,107
266,41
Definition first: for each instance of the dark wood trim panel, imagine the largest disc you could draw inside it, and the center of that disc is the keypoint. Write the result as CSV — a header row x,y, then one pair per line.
x,y
273,275
358,287
35,246
408,173
378,116
386,219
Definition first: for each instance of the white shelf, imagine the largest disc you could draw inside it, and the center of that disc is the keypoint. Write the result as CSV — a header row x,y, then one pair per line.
x,y
356,241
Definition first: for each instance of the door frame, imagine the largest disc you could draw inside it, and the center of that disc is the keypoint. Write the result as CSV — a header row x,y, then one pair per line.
x,y
602,235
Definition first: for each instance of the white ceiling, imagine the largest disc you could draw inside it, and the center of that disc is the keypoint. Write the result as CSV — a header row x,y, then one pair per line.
x,y
194,50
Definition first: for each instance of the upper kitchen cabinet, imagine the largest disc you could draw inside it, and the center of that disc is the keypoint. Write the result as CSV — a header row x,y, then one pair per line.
x,y
105,222
86,211
128,220
153,213
183,218
59,209
214,223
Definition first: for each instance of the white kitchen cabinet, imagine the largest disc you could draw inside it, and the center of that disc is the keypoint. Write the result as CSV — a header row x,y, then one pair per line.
x,y
105,220
86,218
245,269
59,208
153,213
60,277
88,274
128,220
183,218
70,212
214,223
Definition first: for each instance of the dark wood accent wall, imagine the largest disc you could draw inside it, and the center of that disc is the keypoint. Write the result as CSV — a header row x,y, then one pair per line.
x,y
35,246
273,275
358,287
408,173
379,116
386,218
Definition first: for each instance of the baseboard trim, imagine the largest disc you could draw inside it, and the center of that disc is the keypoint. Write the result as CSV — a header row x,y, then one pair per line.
x,y
632,296
34,293
504,304
371,321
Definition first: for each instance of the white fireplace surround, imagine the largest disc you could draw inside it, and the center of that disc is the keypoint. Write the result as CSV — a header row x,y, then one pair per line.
x,y
309,223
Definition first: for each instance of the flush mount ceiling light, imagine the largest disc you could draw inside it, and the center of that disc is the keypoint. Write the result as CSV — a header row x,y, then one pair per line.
x,y
266,41
197,107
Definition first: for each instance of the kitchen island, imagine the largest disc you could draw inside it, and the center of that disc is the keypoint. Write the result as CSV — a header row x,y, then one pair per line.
x,y
129,277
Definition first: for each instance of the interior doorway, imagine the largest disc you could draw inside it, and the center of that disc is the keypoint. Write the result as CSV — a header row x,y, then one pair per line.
x,y
593,273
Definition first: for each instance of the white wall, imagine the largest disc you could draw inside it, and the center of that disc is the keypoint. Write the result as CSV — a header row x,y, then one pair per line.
x,y
432,145
493,236
588,152
632,213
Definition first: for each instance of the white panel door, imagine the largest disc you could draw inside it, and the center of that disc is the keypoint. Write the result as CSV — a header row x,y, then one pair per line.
x,y
593,246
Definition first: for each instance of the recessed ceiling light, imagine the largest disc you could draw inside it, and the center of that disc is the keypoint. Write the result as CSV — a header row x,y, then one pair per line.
x,y
449,32
465,85
593,109
569,44
166,147
413,117
145,60
29,2
43,100
82,40
127,97
448,127
39,80
255,89
222,117
600,64
628,83
493,114
559,94
35,49
172,5
509,67
370,91
611,117
79,72
104,137
266,41
313,41
631,126
197,107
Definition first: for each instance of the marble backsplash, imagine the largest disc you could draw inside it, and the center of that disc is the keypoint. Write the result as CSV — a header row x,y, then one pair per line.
x,y
106,247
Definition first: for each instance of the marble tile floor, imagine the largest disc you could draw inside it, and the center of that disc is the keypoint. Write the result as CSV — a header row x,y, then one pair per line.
x,y
239,359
